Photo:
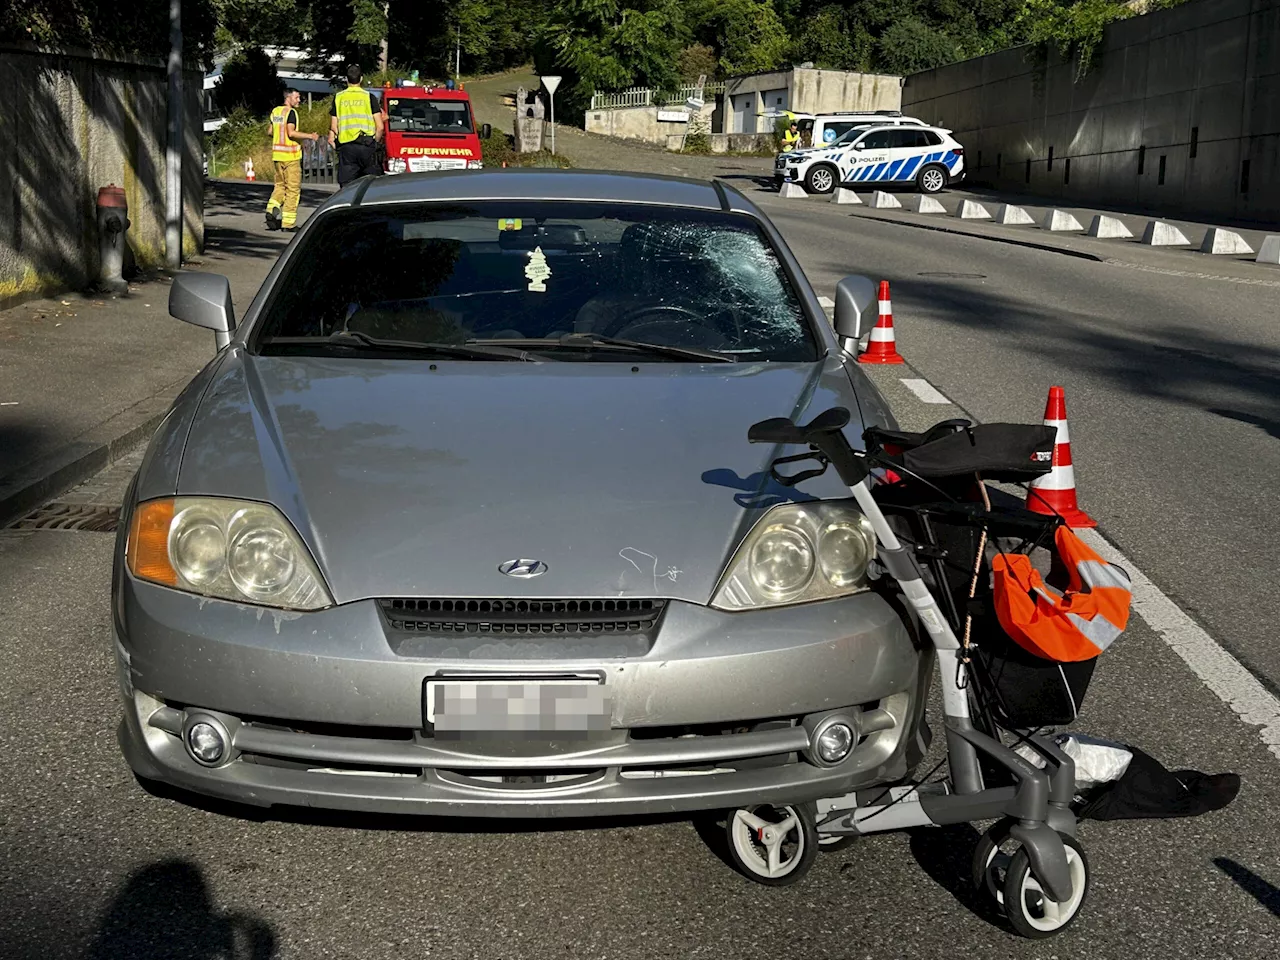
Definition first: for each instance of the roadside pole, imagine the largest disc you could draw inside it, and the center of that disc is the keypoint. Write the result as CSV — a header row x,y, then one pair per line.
x,y
173,152
551,83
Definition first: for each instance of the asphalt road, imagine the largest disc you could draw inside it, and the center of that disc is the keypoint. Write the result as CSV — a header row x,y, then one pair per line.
x,y
93,866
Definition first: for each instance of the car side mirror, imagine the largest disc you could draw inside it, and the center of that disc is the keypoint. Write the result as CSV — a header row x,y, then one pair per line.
x,y
486,131
204,299
857,310
859,146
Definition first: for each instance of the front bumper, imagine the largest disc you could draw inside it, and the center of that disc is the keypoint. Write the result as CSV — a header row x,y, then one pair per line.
x,y
323,711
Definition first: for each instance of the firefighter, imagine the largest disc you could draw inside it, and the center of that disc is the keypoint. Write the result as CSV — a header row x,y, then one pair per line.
x,y
355,127
286,155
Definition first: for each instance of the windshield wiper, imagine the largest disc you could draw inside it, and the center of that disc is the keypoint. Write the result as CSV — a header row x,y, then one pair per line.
x,y
355,339
586,341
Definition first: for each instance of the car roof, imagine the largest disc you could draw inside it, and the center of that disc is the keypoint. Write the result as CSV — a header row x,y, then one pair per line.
x,y
545,184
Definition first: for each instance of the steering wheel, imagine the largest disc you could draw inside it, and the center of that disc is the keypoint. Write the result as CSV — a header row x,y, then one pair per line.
x,y
670,316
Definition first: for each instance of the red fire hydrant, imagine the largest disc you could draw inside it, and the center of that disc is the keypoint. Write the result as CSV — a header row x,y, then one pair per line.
x,y
113,221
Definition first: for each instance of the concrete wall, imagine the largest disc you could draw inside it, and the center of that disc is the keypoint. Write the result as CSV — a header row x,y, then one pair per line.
x,y
69,124
830,91
1208,70
641,123
808,91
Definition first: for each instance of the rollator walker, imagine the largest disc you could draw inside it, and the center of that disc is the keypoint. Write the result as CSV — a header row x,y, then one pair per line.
x,y
1030,861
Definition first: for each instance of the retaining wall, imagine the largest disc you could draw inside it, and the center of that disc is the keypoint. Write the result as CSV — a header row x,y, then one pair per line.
x,y
1180,112
70,123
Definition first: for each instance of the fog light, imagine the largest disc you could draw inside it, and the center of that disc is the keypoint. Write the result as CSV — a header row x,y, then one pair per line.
x,y
206,743
834,743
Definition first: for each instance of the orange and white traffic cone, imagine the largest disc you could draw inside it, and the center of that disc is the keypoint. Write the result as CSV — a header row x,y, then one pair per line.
x,y
883,347
248,171
1055,492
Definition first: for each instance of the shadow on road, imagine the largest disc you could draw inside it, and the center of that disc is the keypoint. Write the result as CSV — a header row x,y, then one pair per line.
x,y
1265,893
164,910
944,853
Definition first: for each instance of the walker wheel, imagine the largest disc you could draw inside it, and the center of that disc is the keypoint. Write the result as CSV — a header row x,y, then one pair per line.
x,y
1031,913
991,859
773,845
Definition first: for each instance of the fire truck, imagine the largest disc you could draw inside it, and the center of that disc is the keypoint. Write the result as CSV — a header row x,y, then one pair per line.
x,y
429,127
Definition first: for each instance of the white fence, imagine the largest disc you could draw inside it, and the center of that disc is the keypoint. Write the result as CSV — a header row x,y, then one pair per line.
x,y
645,97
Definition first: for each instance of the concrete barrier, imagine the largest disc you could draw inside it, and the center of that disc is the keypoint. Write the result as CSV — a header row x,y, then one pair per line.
x,y
1161,234
972,210
923,203
792,190
1108,228
1059,221
845,195
884,201
1010,215
1219,241
1269,252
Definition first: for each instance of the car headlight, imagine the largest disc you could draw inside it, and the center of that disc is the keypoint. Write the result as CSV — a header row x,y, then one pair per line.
x,y
475,164
396,165
798,553
230,549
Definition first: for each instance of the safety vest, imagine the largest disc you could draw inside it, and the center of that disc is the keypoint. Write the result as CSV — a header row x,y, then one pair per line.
x,y
282,148
1077,624
790,139
355,114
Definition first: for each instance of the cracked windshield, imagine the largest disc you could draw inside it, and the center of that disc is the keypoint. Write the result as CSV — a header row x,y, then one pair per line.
x,y
538,275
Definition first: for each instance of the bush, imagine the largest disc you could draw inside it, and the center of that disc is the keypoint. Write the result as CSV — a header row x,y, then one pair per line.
x,y
499,148
242,137
697,138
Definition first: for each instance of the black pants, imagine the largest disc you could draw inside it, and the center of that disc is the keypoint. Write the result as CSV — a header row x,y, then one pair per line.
x,y
357,160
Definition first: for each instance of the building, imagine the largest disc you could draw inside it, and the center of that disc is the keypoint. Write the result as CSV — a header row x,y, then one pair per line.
x,y
753,101
290,66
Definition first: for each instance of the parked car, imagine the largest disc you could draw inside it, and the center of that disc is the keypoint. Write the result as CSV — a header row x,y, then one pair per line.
x,y
927,157
819,130
462,517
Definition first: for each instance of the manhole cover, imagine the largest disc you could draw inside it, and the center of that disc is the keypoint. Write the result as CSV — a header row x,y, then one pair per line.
x,y
71,516
953,276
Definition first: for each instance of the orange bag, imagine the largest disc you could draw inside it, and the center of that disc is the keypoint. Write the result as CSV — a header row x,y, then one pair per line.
x,y
1076,625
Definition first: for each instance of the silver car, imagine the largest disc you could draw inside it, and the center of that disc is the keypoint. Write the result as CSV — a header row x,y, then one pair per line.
x,y
462,518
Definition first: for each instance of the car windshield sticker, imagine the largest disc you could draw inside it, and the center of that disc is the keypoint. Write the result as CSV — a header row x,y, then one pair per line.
x,y
509,224
537,271
828,135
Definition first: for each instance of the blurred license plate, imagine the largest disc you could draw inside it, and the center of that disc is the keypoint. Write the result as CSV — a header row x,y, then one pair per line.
x,y
422,164
467,708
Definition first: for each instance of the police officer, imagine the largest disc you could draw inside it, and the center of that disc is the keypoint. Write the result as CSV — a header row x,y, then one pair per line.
x,y
355,127
286,155
791,136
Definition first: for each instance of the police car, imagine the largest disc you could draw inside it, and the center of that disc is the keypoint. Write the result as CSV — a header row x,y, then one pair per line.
x,y
879,154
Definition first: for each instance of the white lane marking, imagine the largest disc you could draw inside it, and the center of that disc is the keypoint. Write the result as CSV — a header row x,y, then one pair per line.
x,y
924,390
827,304
1221,672
1252,281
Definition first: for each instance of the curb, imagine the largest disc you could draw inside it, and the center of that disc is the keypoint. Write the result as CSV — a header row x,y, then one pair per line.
x,y
49,476
1013,241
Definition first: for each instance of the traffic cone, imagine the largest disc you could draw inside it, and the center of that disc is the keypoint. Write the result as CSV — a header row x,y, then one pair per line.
x,y
1055,492
883,347
248,170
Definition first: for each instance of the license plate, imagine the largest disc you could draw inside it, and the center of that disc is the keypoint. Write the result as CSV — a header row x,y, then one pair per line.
x,y
422,164
567,708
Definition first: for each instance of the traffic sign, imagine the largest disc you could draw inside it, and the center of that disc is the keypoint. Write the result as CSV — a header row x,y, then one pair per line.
x,y
551,83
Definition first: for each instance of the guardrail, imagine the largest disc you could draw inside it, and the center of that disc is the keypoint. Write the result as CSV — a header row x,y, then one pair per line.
x,y
646,97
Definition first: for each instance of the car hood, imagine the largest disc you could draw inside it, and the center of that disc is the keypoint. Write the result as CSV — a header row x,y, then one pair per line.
x,y
410,479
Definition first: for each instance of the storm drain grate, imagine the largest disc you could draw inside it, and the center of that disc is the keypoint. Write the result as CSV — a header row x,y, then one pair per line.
x,y
71,516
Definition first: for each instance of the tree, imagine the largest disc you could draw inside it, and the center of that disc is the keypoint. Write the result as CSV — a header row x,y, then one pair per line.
x,y
249,80
138,28
911,45
696,60
600,45
748,34
830,39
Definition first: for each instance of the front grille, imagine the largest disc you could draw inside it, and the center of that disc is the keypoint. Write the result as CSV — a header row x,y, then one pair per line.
x,y
516,618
